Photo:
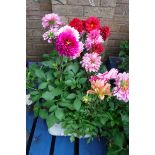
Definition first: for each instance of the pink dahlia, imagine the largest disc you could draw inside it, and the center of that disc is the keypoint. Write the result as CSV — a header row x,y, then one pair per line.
x,y
91,62
121,91
106,76
93,37
67,45
70,30
79,51
50,34
51,20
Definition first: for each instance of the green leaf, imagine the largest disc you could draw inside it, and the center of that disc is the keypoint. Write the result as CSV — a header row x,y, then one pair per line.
x,y
47,96
36,109
75,67
82,80
53,53
71,96
103,68
51,120
80,74
35,98
70,74
52,108
69,82
45,56
72,138
47,63
114,150
111,104
48,103
43,113
103,120
118,139
77,104
43,85
66,104
59,113
40,74
56,91
34,92
49,76
50,87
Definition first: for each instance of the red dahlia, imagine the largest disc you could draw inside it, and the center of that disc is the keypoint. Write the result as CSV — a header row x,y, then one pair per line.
x,y
92,23
77,24
105,32
97,48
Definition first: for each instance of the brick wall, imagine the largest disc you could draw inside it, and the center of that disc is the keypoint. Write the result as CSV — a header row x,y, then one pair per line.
x,y
113,13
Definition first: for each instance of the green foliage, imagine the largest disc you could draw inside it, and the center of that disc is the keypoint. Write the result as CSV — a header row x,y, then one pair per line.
x,y
47,96
51,120
58,87
124,54
59,113
77,104
43,85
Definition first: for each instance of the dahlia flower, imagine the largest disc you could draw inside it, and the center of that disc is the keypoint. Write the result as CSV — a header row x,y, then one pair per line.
x,y
121,91
100,87
67,42
77,24
106,76
92,23
51,20
93,37
79,51
91,62
105,32
97,48
70,30
67,45
50,34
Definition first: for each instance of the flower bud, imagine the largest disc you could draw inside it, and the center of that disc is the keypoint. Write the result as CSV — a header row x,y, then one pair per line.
x,y
85,99
55,65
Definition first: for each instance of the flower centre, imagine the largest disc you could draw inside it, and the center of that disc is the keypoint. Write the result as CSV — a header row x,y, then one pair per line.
x,y
125,84
51,22
92,60
68,42
51,34
91,25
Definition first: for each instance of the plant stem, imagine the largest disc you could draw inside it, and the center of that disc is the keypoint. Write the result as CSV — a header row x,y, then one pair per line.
x,y
61,67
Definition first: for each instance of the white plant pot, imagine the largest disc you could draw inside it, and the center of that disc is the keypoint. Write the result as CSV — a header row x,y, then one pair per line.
x,y
57,130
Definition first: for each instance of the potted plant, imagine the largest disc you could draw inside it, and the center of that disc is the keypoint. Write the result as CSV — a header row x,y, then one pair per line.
x,y
71,88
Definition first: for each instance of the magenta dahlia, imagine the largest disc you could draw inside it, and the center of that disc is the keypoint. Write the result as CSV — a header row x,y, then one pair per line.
x,y
67,45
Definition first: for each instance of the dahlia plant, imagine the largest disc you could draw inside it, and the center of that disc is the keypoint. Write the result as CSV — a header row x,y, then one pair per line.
x,y
72,87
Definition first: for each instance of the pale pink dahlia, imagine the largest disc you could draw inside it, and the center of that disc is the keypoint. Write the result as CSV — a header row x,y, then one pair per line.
x,y
51,20
67,45
121,91
50,34
93,37
91,62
